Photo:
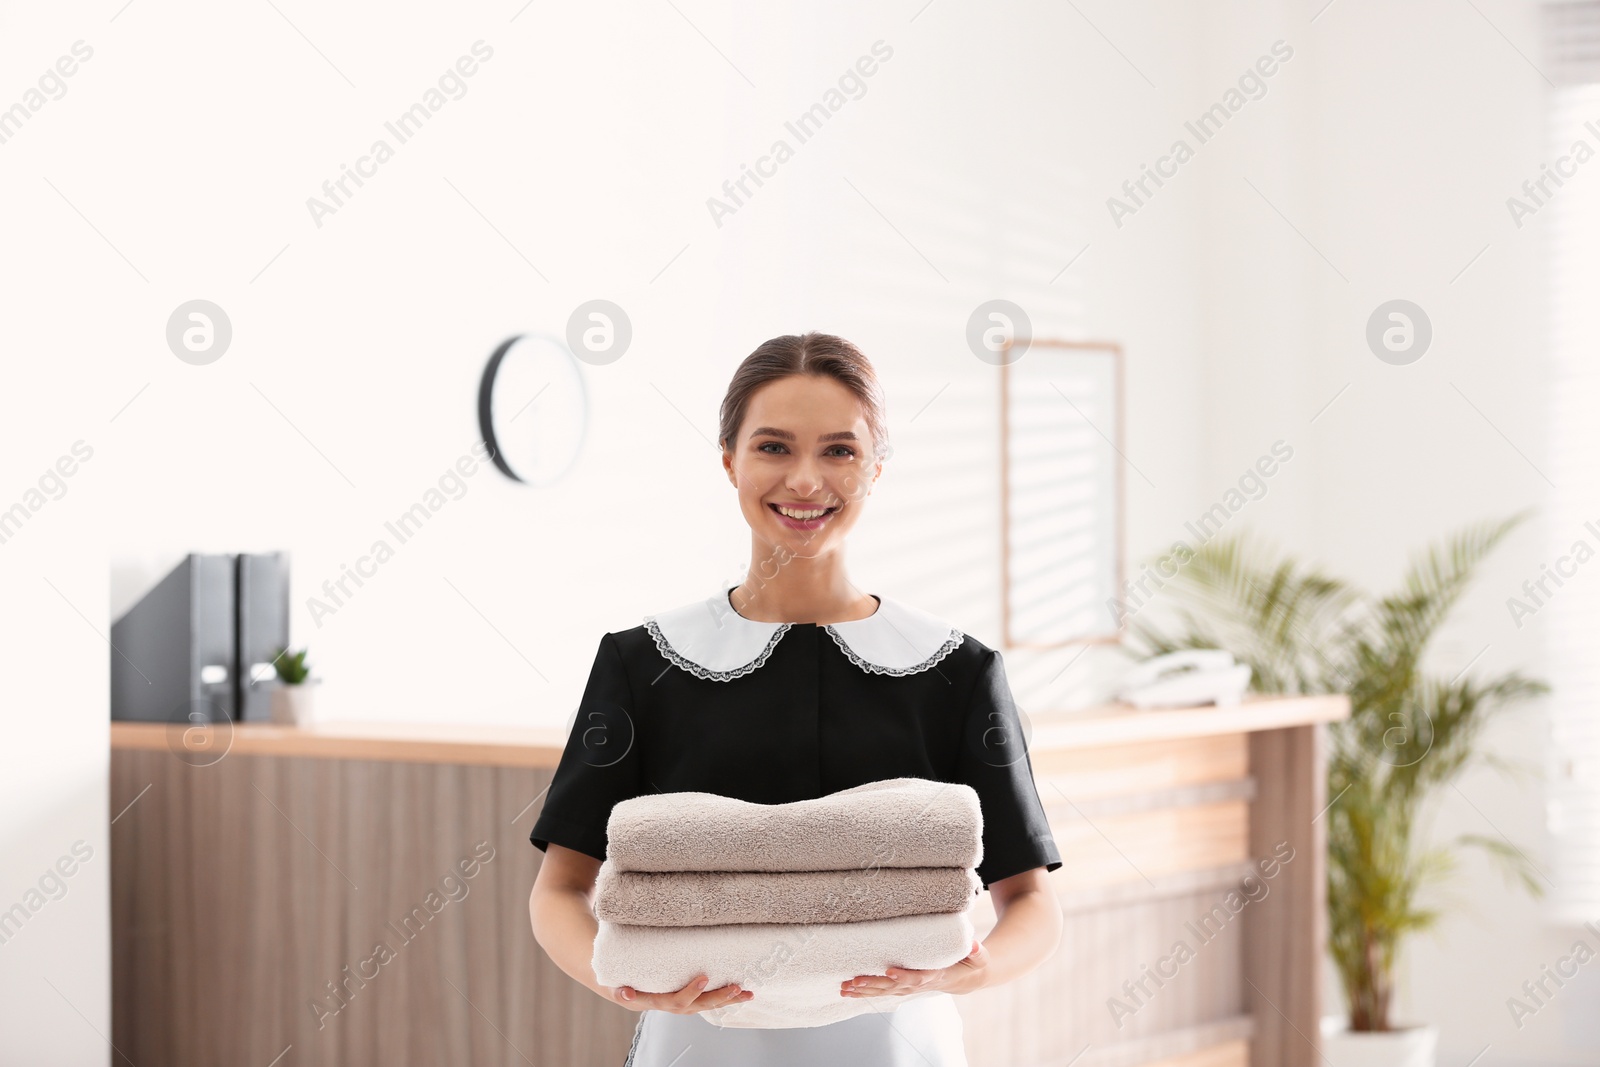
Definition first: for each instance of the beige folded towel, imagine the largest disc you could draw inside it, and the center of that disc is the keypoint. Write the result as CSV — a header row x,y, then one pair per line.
x,y
794,970
896,822
715,898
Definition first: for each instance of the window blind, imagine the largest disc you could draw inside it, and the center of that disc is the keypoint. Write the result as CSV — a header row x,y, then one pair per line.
x,y
1572,250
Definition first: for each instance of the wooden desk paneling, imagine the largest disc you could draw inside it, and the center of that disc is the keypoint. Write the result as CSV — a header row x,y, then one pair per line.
x,y
1192,895
247,892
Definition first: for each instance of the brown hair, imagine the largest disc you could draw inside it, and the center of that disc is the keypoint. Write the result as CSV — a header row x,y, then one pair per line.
x,y
819,354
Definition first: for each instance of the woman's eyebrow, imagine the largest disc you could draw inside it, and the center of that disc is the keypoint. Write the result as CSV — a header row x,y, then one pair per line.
x,y
785,435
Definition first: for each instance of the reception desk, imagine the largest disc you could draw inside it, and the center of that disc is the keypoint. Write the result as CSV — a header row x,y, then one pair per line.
x,y
358,894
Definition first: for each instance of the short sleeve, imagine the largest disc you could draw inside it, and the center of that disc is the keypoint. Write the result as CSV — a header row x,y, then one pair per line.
x,y
600,764
994,761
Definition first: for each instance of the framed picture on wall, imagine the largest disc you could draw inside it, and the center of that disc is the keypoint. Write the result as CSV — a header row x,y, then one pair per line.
x,y
1061,492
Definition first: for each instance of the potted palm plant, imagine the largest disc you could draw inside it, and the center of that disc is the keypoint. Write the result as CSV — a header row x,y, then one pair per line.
x,y
291,697
1410,734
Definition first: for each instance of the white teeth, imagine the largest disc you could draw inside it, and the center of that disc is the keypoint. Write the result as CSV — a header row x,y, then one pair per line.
x,y
793,514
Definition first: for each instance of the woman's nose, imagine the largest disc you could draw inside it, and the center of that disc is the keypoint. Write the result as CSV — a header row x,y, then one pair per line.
x,y
804,481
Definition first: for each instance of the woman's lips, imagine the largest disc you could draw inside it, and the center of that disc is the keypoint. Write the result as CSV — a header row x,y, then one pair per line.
x,y
803,524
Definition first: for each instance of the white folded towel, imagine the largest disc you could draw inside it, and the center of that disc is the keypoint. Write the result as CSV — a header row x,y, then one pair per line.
x,y
794,969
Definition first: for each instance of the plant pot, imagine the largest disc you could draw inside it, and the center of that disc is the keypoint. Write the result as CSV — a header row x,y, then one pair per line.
x,y
1404,1046
292,705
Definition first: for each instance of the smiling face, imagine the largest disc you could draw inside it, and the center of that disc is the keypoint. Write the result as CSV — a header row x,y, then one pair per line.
x,y
802,461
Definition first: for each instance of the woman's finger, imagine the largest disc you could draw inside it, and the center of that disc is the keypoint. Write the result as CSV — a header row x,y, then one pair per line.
x,y
675,1000
686,996
693,997
630,997
723,995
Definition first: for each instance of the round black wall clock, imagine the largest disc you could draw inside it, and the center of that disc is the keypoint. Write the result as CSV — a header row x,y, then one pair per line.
x,y
533,410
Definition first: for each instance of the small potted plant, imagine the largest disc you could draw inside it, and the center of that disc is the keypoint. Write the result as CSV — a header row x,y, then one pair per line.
x,y
291,697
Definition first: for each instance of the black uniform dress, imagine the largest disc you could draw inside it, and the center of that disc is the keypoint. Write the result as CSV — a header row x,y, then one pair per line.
x,y
702,699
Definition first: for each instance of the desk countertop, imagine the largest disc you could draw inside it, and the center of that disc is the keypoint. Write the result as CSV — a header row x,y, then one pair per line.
x,y
540,746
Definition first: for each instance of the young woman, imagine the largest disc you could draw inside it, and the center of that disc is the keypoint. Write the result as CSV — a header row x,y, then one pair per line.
x,y
789,686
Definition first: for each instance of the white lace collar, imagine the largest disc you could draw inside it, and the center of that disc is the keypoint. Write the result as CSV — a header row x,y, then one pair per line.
x,y
709,639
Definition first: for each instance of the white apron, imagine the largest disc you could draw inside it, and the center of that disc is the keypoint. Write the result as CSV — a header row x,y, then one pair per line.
x,y
925,1032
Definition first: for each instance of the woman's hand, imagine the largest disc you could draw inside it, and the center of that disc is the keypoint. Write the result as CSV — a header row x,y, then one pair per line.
x,y
963,976
692,998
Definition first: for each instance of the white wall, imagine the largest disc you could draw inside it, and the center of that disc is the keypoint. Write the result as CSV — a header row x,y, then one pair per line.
x,y
977,164
357,352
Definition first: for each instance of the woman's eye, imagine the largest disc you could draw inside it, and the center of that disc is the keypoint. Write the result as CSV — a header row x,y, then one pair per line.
x,y
847,450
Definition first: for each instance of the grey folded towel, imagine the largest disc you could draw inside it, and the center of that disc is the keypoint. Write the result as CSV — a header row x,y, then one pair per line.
x,y
896,822
696,898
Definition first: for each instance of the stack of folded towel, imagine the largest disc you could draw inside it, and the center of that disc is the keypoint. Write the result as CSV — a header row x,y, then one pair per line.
x,y
788,900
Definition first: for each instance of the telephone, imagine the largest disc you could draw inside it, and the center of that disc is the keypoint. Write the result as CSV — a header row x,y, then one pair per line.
x,y
1185,678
